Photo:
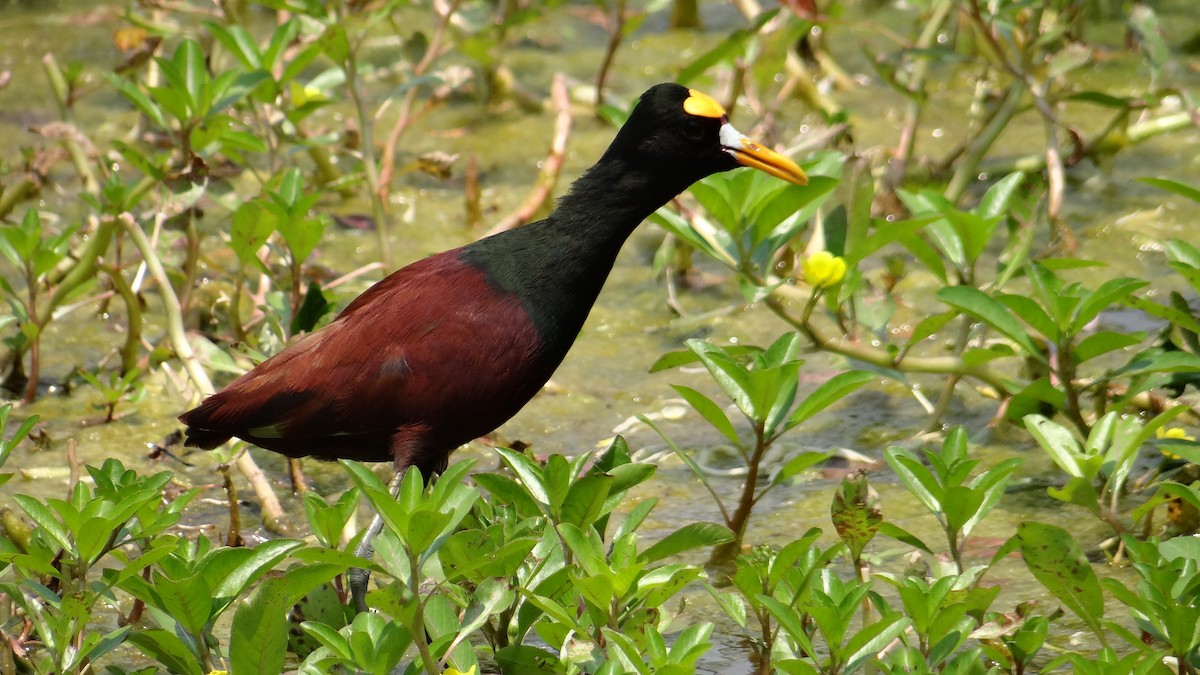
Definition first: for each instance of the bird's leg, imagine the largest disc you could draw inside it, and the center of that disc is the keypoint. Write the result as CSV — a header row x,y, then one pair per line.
x,y
296,471
359,576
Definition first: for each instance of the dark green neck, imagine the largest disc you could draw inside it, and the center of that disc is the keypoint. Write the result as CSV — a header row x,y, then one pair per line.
x,y
558,265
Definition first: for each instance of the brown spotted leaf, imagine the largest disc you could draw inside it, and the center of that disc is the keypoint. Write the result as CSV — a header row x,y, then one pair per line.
x,y
856,513
1056,560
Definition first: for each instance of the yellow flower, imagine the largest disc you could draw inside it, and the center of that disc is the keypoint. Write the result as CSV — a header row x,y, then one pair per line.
x,y
304,93
823,269
1172,432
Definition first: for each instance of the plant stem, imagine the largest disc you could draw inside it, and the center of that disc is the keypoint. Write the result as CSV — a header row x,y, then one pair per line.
x,y
740,519
1065,365
934,365
370,168
133,315
916,87
16,192
418,627
616,30
968,168
35,341
62,95
272,512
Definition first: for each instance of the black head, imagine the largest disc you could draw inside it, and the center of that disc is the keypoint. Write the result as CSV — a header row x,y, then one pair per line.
x,y
684,133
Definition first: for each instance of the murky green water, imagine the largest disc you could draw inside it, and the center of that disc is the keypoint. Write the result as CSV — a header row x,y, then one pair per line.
x,y
604,380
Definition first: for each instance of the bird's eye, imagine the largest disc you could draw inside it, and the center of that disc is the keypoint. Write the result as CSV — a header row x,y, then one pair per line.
x,y
694,129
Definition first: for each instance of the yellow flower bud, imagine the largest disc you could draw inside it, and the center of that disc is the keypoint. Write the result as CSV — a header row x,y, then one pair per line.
x,y
1173,432
823,269
304,93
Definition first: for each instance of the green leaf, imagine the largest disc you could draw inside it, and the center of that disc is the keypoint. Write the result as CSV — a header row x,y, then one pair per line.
x,y
189,60
1031,313
138,98
789,620
928,327
329,638
916,477
690,536
489,598
1101,99
709,410
188,600
1070,57
528,659
238,42
1110,292
732,377
1078,491
164,647
832,390
1175,187
996,201
260,631
528,473
335,44
798,464
873,639
1034,398
1161,362
959,504
229,572
1170,314
987,309
726,50
586,548
1184,253
1059,443
585,499
505,490
900,534
885,233
1103,342
47,524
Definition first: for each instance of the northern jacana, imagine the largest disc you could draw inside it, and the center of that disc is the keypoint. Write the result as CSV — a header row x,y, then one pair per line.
x,y
447,349
450,347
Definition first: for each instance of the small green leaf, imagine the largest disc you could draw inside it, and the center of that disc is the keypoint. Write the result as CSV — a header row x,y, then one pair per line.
x,y
709,410
1183,320
1161,362
831,391
166,648
585,499
928,327
690,536
987,309
798,464
528,659
998,198
1059,443
1110,292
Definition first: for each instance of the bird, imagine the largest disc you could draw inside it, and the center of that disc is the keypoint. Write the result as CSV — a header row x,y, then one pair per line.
x,y
448,348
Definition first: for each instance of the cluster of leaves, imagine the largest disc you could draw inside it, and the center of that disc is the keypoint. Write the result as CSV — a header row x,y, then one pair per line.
x,y
537,558
463,578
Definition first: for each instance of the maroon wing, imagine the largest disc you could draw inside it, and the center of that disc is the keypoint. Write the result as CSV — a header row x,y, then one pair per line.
x,y
427,359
